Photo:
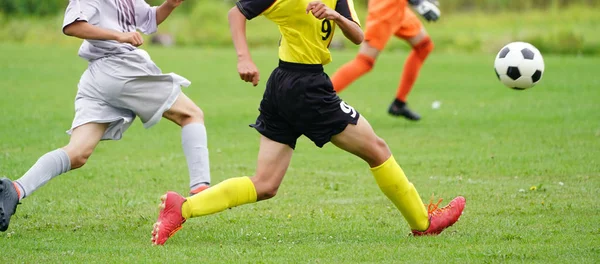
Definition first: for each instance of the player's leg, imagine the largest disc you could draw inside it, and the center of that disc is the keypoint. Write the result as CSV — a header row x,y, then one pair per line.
x,y
361,140
74,155
328,118
413,31
421,45
276,147
273,161
151,95
382,21
185,113
356,68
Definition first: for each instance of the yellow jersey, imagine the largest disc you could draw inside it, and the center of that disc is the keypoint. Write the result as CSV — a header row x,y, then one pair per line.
x,y
304,38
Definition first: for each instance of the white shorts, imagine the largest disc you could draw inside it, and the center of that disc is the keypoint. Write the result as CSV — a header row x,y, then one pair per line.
x,y
116,89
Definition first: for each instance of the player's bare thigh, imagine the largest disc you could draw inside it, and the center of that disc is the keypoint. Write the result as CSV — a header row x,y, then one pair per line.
x,y
361,140
184,111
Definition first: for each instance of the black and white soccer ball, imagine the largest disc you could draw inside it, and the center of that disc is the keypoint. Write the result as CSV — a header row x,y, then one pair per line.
x,y
519,65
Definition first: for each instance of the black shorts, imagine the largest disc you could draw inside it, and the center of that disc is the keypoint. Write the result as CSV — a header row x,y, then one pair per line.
x,y
300,100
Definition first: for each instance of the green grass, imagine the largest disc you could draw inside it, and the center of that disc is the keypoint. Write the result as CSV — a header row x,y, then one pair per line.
x,y
486,142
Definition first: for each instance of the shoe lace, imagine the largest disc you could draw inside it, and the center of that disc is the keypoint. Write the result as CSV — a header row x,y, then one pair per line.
x,y
433,208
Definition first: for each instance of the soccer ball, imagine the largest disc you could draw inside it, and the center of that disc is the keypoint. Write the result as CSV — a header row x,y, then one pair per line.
x,y
519,65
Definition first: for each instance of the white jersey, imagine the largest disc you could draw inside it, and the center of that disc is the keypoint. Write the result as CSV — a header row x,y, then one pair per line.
x,y
118,15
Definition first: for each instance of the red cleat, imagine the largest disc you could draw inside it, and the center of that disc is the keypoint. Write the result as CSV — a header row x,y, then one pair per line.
x,y
442,218
169,219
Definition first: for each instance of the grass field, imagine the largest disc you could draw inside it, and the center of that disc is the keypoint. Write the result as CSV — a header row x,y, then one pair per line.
x,y
486,142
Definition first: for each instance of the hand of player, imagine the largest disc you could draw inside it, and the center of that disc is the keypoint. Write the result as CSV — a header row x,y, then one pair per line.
x,y
248,71
321,11
427,9
174,3
133,38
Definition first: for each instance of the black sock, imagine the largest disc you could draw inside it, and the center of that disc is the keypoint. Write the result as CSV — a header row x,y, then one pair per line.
x,y
399,103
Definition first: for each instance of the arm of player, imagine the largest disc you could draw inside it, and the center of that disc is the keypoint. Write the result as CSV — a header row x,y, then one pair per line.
x,y
164,10
246,67
85,30
352,31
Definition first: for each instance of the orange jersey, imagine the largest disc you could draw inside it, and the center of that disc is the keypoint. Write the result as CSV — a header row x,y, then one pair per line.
x,y
390,17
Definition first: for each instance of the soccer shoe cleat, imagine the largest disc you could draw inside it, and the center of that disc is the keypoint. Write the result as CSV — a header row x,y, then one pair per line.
x,y
442,218
398,108
8,202
198,190
169,219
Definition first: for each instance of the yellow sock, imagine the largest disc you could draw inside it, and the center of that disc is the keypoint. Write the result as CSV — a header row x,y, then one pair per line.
x,y
227,194
396,187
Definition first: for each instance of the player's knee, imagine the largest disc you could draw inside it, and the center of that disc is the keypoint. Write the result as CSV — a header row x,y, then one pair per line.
x,y
382,148
424,47
429,45
380,152
196,113
78,162
367,62
265,189
380,143
269,192
78,157
191,114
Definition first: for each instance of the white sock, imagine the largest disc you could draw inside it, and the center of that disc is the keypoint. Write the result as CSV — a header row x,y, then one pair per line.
x,y
195,148
48,166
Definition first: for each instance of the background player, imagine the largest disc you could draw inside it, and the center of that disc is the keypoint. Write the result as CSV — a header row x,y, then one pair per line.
x,y
386,18
120,82
300,100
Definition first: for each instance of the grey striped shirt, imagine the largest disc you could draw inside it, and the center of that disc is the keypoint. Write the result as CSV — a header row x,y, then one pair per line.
x,y
118,15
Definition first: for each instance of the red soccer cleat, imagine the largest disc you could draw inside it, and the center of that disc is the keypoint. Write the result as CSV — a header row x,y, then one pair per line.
x,y
169,219
442,218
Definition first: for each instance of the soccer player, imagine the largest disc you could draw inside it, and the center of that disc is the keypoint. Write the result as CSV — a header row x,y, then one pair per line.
x,y
120,83
386,18
300,100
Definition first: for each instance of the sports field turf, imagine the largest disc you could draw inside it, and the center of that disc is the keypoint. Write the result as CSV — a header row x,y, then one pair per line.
x,y
486,142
